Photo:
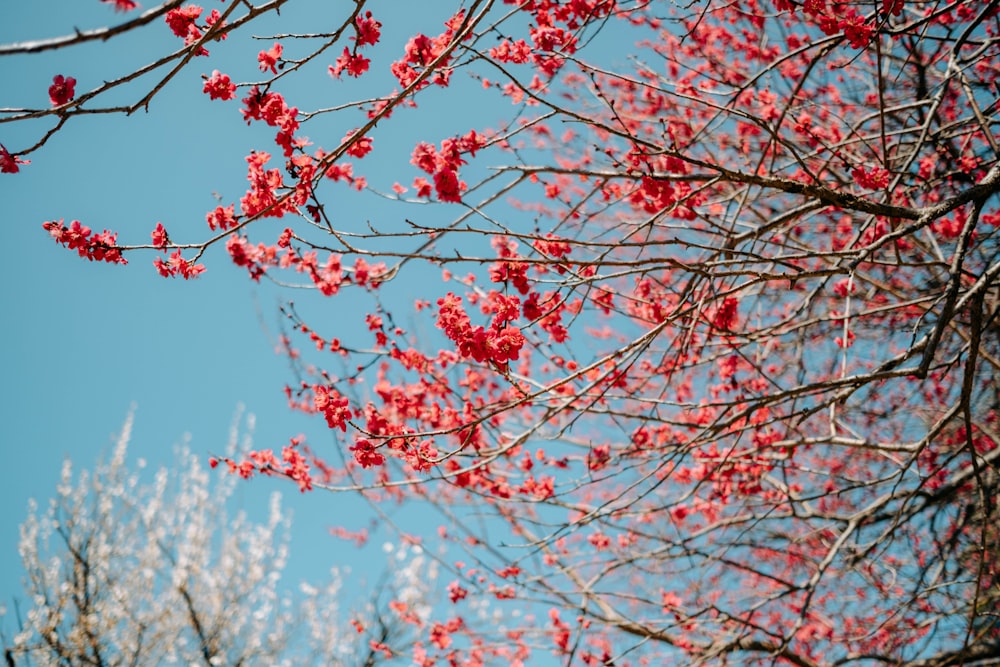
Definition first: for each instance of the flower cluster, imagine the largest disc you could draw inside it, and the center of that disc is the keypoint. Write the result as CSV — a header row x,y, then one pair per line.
x,y
839,17
513,273
95,247
292,464
498,344
255,259
367,32
178,266
875,178
219,86
272,110
183,22
261,197
554,33
360,147
354,64
422,50
443,165
366,454
335,408
327,276
549,38
222,218
726,314
518,52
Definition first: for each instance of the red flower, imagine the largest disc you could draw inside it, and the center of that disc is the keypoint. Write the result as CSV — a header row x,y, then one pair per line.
x,y
62,90
365,454
440,637
425,157
219,86
875,179
423,186
968,163
182,22
123,5
271,109
9,163
159,235
369,30
857,31
269,59
361,147
512,52
727,314
894,7
222,218
448,187
335,408
355,65
456,592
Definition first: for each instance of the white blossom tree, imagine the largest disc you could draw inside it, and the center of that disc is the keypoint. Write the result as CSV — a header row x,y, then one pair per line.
x,y
123,572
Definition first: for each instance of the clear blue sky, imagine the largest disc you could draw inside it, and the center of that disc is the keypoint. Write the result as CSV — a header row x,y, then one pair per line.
x,y
81,342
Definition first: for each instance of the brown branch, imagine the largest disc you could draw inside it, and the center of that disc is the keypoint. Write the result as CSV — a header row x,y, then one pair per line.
x,y
81,37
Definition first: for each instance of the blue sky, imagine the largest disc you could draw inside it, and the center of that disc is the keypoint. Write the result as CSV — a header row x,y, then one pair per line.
x,y
82,342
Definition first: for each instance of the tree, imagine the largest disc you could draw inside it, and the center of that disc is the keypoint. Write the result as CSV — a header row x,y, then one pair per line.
x,y
717,355
121,571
